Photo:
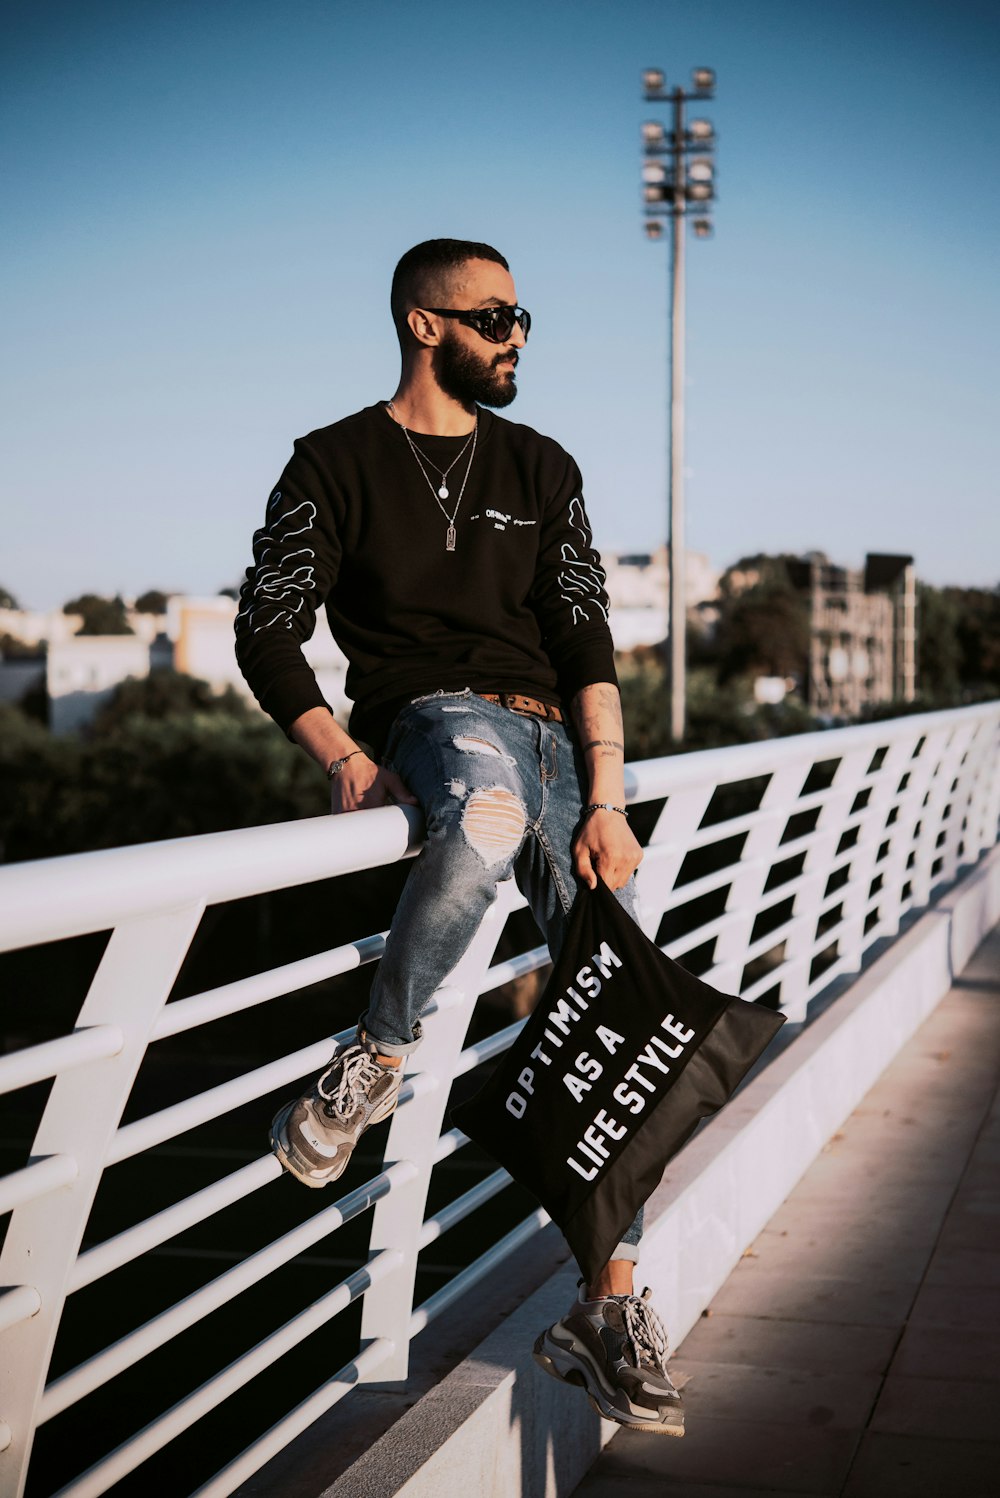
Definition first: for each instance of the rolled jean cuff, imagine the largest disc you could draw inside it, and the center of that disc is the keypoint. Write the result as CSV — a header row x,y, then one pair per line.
x,y
388,1047
628,1251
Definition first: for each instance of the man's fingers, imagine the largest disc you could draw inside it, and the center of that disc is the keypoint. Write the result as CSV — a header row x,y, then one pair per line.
x,y
585,868
397,789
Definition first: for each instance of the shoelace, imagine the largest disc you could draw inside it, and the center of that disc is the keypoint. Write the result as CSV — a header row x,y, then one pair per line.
x,y
355,1072
645,1331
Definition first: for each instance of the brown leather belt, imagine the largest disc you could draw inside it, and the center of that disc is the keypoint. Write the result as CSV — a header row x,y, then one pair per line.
x,y
518,703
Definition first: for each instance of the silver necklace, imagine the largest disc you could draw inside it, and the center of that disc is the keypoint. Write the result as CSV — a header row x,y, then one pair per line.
x,y
442,492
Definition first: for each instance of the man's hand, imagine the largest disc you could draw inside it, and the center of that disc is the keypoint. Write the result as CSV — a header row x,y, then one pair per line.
x,y
362,784
606,846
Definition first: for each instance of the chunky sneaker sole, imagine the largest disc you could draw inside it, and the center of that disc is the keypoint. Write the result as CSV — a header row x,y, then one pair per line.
x,y
330,1158
572,1363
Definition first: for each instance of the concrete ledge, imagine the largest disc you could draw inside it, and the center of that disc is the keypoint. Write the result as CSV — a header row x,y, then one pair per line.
x,y
497,1425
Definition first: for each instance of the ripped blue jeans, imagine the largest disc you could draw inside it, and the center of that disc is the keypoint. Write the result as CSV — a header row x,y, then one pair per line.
x,y
501,796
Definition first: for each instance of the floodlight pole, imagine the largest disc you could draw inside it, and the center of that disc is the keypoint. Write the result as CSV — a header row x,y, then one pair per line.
x,y
666,195
675,495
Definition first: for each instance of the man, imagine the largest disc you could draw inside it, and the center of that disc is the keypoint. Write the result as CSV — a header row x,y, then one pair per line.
x,y
452,551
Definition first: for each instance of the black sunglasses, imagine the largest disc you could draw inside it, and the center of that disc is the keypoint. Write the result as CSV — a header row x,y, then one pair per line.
x,y
495,324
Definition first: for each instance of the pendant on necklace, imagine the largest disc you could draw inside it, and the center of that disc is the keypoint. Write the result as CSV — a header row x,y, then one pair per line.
x,y
443,492
449,544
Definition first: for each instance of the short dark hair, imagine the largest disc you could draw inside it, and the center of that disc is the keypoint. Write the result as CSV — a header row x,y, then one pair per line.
x,y
413,281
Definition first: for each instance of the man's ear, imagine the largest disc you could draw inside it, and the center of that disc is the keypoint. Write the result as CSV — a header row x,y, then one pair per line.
x,y
424,327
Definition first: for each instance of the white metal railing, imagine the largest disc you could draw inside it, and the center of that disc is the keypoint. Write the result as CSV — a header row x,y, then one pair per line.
x,y
812,848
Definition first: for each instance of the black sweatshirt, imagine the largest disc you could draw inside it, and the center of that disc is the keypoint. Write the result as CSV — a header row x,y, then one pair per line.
x,y
518,606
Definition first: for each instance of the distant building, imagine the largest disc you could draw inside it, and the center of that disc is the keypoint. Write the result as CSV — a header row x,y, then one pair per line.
x,y
83,671
862,646
201,630
639,587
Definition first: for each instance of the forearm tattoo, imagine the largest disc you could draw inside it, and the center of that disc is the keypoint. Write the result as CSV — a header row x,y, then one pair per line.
x,y
597,712
608,748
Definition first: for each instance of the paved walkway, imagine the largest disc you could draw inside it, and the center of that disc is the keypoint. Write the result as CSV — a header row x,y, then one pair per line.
x,y
855,1350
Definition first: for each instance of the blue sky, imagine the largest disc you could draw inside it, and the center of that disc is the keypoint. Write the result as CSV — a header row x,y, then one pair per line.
x,y
205,200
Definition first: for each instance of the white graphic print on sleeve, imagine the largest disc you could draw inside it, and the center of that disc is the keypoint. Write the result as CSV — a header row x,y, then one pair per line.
x,y
581,582
282,577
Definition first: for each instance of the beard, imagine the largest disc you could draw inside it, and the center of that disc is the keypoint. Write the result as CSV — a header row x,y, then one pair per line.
x,y
474,381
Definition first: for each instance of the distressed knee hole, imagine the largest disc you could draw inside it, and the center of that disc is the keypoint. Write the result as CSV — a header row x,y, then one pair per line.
x,y
470,745
457,787
493,823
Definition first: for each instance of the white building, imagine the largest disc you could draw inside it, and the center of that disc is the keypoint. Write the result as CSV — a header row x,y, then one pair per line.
x,y
639,589
83,671
201,631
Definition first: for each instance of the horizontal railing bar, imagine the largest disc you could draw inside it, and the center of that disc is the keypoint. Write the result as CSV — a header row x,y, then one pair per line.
x,y
515,967
477,1270
681,894
716,832
105,1257
97,1370
762,984
449,1144
37,1062
131,1139
166,1427
647,780
708,883
156,1128
18,1304
365,1365
51,898
232,998
35,1179
463,1206
55,898
485,1050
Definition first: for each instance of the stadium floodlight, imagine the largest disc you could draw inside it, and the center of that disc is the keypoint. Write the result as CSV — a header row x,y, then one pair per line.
x,y
686,177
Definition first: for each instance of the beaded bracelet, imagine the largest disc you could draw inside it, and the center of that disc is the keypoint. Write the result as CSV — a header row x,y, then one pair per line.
x,y
605,806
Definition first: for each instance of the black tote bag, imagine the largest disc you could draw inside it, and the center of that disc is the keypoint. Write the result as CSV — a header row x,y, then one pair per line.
x,y
623,1055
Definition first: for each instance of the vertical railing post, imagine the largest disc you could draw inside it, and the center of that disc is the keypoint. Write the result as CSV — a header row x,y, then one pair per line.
x,y
675,826
85,1105
942,753
413,1135
746,896
851,772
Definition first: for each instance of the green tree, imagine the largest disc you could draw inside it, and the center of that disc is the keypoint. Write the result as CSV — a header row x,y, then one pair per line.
x,y
168,695
939,654
101,616
978,633
12,649
763,627
149,778
152,602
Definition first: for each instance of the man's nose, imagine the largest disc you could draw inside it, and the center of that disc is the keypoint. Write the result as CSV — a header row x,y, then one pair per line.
x,y
517,338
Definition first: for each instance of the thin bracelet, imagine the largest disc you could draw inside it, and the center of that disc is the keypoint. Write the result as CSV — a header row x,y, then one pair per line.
x,y
605,806
336,765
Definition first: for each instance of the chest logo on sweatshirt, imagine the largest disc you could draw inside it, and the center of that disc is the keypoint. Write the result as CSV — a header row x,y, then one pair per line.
x,y
501,519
